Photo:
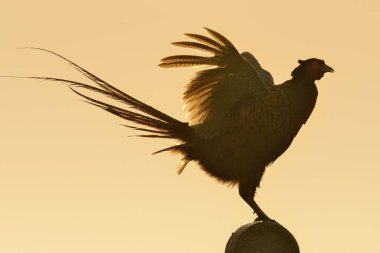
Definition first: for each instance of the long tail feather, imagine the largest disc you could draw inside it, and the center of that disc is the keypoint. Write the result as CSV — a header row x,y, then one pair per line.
x,y
159,124
115,92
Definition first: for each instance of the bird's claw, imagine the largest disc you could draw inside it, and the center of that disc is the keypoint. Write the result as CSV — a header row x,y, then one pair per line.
x,y
264,219
259,219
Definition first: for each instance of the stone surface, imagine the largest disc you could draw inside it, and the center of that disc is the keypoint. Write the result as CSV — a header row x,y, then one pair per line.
x,y
262,237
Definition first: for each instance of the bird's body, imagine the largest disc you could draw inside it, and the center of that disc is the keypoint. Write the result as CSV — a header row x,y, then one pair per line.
x,y
239,121
258,130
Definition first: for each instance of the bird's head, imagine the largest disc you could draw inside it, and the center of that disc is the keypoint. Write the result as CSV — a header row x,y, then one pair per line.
x,y
311,69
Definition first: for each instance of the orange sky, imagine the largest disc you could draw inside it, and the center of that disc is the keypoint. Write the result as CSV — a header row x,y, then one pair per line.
x,y
72,181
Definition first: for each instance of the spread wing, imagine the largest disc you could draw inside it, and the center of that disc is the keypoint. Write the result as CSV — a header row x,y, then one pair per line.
x,y
213,92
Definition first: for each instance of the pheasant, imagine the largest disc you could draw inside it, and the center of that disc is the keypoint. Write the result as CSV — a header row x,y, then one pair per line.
x,y
239,121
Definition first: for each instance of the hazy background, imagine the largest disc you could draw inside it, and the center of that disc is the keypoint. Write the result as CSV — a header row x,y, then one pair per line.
x,y
72,181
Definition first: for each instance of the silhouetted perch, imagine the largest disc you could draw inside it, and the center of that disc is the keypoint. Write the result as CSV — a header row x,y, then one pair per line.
x,y
262,237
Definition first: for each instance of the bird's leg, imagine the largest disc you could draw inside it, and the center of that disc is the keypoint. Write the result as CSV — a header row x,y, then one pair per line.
x,y
247,193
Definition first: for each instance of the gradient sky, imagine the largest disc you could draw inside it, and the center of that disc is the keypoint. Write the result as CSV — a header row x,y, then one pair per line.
x,y
72,181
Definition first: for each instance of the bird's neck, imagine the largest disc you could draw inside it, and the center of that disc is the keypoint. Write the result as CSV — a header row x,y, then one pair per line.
x,y
303,80
301,89
302,95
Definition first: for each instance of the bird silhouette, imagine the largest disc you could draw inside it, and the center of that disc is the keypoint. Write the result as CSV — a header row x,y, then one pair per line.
x,y
239,120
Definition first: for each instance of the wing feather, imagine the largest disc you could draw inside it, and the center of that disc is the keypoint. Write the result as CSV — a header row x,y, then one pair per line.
x,y
212,93
196,45
220,38
206,41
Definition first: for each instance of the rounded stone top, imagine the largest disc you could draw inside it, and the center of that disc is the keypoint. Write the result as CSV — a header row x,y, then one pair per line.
x,y
262,237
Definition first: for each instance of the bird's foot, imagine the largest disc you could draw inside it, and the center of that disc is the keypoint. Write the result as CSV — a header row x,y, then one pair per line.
x,y
264,218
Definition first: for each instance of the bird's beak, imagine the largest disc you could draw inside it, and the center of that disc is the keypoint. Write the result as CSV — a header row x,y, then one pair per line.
x,y
327,68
